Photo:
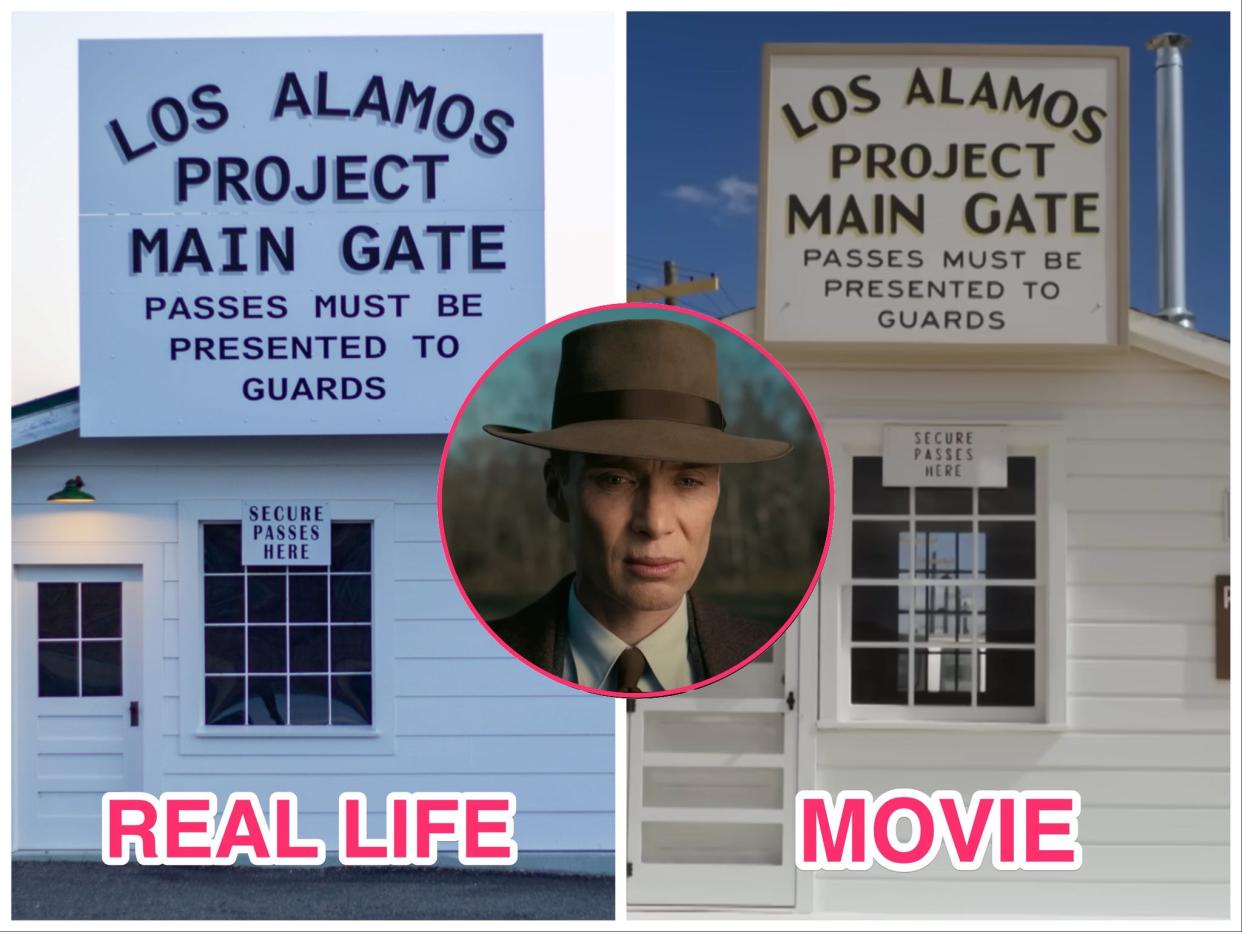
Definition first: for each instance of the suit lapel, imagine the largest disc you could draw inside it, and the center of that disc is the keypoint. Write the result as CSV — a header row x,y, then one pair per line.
x,y
539,631
694,646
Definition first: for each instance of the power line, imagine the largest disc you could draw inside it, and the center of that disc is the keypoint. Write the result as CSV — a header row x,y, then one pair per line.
x,y
736,304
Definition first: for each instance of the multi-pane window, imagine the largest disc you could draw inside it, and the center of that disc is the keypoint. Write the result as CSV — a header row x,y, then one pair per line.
x,y
944,588
287,645
79,634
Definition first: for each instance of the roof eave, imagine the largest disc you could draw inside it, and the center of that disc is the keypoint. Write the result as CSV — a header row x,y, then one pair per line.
x,y
1149,333
1180,344
43,422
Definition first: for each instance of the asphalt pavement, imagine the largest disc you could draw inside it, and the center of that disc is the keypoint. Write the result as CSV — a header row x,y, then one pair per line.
x,y
90,890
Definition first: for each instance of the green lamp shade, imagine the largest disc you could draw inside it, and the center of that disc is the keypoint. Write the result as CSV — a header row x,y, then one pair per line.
x,y
72,493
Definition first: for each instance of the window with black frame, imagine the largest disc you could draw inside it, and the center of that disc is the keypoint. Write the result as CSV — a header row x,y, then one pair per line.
x,y
287,645
943,592
79,639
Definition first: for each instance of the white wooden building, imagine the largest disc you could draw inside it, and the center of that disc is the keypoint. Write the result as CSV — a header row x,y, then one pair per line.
x,y
1097,674
369,674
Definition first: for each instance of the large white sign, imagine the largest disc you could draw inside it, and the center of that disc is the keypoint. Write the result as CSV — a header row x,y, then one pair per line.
x,y
304,236
962,195
945,455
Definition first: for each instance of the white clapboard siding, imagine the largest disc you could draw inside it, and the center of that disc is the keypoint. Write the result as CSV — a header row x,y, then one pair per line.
x,y
437,598
1174,825
439,754
168,710
1047,896
477,676
1025,750
1117,566
169,676
552,714
1159,494
440,638
417,523
1101,787
1189,641
1131,422
420,561
467,715
172,637
1146,460
832,390
1105,864
115,485
1139,602
1138,530
1185,458
1143,715
92,524
1171,677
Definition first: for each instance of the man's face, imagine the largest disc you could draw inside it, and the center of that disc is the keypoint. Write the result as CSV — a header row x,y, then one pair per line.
x,y
639,529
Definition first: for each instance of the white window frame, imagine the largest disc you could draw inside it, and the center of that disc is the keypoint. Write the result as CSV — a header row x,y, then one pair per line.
x,y
196,737
1043,440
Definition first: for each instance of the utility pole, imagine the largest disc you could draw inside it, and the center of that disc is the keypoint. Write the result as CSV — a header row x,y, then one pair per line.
x,y
672,288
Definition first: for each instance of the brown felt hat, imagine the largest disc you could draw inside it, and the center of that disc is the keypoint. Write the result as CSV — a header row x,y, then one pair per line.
x,y
645,389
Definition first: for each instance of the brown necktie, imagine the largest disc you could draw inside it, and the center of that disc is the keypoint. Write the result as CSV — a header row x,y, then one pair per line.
x,y
630,667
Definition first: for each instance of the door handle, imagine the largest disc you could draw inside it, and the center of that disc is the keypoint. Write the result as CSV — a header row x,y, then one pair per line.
x,y
133,714
789,700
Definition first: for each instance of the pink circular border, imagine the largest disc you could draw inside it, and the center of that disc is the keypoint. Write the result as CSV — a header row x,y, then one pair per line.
x,y
832,498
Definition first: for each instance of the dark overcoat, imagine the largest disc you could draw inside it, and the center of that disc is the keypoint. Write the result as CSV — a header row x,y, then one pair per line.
x,y
718,640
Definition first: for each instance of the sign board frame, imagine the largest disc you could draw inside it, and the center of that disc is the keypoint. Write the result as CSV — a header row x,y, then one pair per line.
x,y
989,470
304,235
319,547
911,349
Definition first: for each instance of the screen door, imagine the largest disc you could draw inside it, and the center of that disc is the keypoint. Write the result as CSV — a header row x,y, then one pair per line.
x,y
711,787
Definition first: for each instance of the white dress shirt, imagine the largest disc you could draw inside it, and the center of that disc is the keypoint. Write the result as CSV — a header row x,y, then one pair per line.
x,y
593,651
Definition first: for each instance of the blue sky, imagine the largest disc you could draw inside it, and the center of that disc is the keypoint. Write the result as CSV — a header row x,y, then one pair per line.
x,y
519,391
693,118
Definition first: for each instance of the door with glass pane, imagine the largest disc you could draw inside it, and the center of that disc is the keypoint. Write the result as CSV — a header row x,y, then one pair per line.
x,y
77,723
711,787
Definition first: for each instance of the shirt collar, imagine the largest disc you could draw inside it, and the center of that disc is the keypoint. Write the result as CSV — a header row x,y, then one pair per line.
x,y
595,649
665,649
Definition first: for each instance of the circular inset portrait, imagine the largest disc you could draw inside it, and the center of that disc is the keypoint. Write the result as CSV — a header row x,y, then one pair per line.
x,y
635,500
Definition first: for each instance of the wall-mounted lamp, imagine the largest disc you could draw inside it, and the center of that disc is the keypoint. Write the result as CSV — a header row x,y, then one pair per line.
x,y
72,493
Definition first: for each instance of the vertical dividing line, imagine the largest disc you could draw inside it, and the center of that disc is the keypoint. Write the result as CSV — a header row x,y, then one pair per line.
x,y
245,646
912,559
977,591
78,634
328,659
288,647
372,545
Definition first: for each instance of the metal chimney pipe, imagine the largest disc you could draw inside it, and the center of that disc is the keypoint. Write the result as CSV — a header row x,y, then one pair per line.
x,y
1170,169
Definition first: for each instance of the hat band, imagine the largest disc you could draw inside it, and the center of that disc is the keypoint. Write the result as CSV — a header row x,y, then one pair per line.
x,y
638,404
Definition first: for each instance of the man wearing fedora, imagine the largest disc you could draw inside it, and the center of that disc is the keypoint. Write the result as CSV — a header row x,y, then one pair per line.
x,y
636,447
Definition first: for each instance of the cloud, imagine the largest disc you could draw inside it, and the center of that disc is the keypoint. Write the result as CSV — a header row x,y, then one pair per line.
x,y
693,194
739,196
730,195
